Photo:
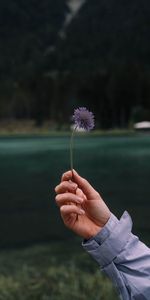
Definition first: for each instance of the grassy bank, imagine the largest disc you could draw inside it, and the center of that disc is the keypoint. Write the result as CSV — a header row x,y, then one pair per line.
x,y
14,128
56,271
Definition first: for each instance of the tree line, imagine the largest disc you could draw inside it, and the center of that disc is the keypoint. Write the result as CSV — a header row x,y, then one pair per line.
x,y
101,62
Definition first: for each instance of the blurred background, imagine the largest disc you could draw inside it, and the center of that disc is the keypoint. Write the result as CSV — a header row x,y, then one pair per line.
x,y
54,57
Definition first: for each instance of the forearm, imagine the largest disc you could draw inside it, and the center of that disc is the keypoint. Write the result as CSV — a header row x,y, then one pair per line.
x,y
122,257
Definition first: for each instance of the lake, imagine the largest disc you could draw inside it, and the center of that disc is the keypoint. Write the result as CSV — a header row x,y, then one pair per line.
x,y
118,167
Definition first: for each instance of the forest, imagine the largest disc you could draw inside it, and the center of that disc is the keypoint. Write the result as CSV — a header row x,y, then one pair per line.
x,y
100,60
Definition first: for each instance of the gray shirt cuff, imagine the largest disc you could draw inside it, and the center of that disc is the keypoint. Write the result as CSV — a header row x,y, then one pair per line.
x,y
104,233
109,242
106,230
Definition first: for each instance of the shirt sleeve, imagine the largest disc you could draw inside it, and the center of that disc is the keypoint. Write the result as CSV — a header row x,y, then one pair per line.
x,y
124,258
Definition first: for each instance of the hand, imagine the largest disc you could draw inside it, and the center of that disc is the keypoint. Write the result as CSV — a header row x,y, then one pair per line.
x,y
82,208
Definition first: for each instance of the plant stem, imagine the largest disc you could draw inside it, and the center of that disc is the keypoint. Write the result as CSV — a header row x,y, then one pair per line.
x,y
71,149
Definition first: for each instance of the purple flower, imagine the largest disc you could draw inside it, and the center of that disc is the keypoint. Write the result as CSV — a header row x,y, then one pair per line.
x,y
83,118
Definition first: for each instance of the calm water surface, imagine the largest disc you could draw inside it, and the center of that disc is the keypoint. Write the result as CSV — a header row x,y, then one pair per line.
x,y
119,167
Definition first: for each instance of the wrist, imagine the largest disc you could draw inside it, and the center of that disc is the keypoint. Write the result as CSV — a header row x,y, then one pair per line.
x,y
96,228
109,227
92,232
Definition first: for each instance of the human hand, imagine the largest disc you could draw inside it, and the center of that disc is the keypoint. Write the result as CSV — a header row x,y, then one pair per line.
x,y
81,206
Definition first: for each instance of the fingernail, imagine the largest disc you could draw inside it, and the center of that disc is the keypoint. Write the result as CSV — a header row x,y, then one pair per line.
x,y
74,186
82,212
75,171
80,200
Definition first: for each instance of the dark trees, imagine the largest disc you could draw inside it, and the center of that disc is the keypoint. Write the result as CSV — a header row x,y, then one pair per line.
x,y
103,60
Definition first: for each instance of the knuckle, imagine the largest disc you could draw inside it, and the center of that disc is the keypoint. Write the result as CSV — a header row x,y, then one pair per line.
x,y
74,186
62,209
66,175
57,198
56,189
64,184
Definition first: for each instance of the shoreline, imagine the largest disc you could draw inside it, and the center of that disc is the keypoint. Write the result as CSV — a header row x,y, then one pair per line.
x,y
28,128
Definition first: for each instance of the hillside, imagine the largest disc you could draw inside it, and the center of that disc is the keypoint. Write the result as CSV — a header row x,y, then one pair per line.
x,y
28,31
108,32
98,54
102,33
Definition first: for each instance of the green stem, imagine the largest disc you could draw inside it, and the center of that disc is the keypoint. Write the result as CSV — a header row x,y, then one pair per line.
x,y
71,149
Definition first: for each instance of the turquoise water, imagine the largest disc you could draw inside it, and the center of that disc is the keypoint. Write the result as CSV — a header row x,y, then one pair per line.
x,y
119,167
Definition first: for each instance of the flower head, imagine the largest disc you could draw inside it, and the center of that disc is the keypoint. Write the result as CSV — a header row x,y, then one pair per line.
x,y
83,118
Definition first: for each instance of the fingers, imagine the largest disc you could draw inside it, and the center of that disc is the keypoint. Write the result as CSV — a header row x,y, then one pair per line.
x,y
80,194
66,186
83,184
67,210
67,175
62,199
69,186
